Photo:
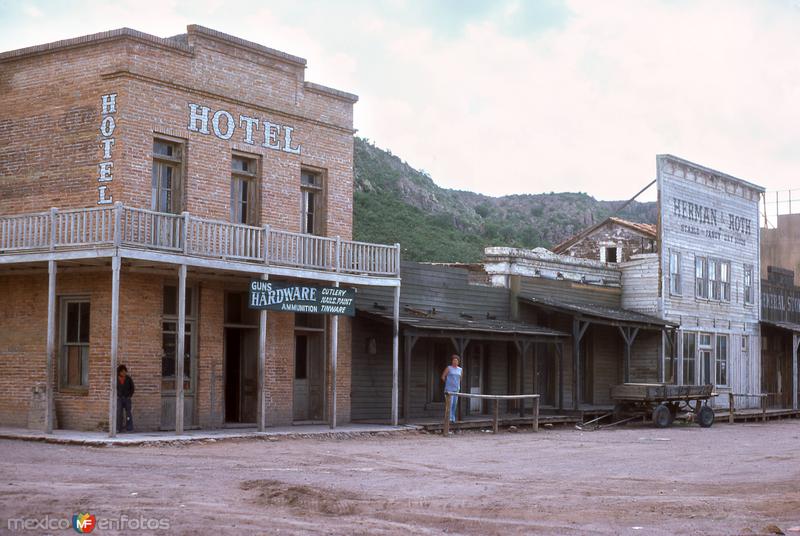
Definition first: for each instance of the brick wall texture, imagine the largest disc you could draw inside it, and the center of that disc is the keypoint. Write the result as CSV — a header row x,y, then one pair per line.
x,y
50,149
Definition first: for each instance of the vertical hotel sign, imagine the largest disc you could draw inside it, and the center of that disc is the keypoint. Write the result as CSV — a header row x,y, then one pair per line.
x,y
105,169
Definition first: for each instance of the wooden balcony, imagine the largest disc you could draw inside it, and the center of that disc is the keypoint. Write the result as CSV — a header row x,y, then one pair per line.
x,y
119,226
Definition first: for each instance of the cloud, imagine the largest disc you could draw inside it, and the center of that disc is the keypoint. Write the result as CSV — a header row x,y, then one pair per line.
x,y
523,97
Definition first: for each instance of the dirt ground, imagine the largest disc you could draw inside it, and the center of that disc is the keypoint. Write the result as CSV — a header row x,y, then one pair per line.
x,y
740,479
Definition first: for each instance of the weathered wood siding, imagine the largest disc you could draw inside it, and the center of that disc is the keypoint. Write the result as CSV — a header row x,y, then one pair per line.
x,y
443,288
371,399
571,292
645,354
707,213
607,350
640,285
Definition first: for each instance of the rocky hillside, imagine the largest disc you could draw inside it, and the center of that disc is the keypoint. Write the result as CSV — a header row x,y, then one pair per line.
x,y
397,203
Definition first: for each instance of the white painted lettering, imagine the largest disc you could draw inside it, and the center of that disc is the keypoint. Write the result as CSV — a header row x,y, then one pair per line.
x,y
105,172
248,123
107,126
107,144
109,103
271,132
200,117
287,141
230,125
102,199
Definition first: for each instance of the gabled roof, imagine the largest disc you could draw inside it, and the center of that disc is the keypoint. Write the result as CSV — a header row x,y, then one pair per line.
x,y
647,229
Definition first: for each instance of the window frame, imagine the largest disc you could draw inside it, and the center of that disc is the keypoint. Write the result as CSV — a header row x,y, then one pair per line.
x,y
719,360
253,195
675,288
712,277
176,163
748,287
85,346
190,333
318,203
689,374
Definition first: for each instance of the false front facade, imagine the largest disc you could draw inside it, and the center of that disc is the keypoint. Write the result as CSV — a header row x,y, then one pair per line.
x,y
153,180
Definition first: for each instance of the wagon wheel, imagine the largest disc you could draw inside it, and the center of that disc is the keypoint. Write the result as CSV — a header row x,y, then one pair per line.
x,y
705,417
619,411
662,417
673,410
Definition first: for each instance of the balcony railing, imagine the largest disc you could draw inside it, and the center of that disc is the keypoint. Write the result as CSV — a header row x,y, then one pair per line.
x,y
118,225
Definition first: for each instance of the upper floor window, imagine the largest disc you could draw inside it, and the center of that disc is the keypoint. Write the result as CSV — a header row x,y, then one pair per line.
x,y
167,176
74,362
311,202
701,277
748,284
610,254
675,273
244,190
712,279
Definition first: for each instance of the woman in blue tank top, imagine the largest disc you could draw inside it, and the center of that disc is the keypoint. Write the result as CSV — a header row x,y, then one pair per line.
x,y
452,384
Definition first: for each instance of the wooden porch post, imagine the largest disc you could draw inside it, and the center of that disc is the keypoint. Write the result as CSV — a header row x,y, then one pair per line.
x,y
560,359
334,362
521,379
629,335
51,347
409,342
395,355
112,396
179,349
796,347
262,365
578,331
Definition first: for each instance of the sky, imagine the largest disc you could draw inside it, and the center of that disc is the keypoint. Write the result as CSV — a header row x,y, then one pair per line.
x,y
510,96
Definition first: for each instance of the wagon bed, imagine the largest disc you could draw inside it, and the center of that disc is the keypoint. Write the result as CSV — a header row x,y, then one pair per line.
x,y
662,403
659,392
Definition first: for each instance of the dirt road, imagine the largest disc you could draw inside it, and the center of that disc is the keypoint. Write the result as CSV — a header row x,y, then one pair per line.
x,y
637,480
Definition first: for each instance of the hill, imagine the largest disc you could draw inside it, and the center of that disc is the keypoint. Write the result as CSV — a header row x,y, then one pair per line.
x,y
396,203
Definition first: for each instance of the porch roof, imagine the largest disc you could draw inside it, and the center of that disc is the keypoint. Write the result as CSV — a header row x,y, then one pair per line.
x,y
599,313
782,324
463,325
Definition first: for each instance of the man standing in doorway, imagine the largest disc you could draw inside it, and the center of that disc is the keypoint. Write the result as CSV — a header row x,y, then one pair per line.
x,y
125,389
452,384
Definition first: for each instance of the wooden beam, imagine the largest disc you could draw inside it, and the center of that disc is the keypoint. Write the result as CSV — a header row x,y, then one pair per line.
x,y
395,354
522,380
50,383
795,372
262,366
180,349
112,396
334,360
409,341
560,359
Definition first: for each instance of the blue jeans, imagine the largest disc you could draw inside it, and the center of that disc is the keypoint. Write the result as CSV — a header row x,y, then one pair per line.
x,y
453,406
124,414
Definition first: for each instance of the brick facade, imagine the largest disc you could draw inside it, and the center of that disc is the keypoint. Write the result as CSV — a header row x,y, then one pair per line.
x,y
51,155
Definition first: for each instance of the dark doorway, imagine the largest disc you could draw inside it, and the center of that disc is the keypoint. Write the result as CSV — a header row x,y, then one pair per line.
x,y
241,375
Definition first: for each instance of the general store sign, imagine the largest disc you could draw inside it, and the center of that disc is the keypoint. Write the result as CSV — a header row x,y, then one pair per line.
x,y
295,298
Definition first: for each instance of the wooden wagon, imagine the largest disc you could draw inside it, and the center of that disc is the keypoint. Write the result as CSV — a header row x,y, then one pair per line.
x,y
662,402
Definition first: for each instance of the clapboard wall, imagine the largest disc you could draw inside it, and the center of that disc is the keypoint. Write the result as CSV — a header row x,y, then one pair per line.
x,y
640,291
446,289
707,213
571,292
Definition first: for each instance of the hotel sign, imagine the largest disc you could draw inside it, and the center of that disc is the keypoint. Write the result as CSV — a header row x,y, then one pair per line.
x,y
296,298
